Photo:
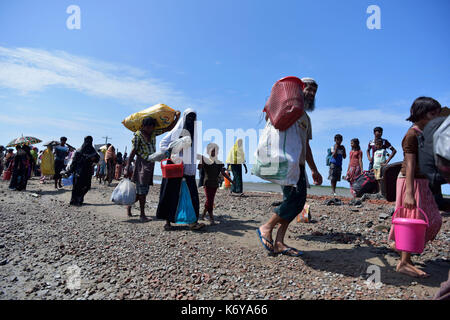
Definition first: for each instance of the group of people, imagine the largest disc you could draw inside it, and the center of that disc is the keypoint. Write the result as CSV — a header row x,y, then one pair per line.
x,y
111,165
412,187
377,154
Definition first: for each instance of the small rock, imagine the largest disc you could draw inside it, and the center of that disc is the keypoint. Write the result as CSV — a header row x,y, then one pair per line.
x,y
383,216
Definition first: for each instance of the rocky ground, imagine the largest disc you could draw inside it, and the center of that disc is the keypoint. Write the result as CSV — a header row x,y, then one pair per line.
x,y
42,238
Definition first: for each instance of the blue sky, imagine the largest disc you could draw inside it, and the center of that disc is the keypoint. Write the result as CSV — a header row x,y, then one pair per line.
x,y
221,58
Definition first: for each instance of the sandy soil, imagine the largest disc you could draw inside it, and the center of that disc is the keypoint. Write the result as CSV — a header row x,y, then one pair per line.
x,y
42,237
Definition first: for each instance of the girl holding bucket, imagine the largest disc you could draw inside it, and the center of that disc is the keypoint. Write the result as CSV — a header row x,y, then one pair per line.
x,y
413,191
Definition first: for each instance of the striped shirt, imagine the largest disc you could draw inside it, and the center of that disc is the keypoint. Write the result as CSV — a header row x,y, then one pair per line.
x,y
142,147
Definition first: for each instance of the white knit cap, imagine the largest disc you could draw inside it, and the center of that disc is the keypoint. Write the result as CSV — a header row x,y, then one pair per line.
x,y
309,80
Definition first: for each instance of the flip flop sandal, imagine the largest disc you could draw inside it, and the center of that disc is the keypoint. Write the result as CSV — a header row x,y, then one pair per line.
x,y
288,252
168,227
261,238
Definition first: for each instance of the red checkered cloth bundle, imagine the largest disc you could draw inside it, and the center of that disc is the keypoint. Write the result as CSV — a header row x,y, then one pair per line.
x,y
285,104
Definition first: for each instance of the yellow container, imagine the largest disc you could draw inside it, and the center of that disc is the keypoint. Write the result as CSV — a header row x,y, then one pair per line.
x,y
164,116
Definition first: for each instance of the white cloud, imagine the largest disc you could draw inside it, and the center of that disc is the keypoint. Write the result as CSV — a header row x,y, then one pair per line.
x,y
32,70
345,117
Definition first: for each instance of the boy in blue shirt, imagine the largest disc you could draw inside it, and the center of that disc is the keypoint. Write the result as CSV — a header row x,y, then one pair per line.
x,y
338,154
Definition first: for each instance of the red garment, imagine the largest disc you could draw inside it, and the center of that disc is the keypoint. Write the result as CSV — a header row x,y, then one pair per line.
x,y
210,195
118,172
353,173
354,158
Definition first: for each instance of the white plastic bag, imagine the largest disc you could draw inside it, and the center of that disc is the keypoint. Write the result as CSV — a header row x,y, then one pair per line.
x,y
124,193
180,144
278,155
176,147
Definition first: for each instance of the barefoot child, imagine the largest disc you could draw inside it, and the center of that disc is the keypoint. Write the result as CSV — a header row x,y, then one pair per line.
x,y
355,164
212,168
412,186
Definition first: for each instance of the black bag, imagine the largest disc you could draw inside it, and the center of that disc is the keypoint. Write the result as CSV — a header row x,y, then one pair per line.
x,y
365,183
427,163
389,180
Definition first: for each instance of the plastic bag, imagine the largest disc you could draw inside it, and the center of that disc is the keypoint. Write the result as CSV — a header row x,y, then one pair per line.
x,y
67,181
185,211
164,116
278,155
124,193
441,140
305,215
157,156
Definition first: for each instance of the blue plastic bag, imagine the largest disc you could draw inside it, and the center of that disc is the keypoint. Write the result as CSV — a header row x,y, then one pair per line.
x,y
67,181
185,211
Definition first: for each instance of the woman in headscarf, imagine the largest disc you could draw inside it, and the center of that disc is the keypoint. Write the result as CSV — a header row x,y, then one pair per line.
x,y
235,160
20,168
82,167
47,164
212,168
110,158
170,188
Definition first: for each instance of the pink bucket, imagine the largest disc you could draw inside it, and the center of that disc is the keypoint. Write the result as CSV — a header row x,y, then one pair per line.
x,y
410,233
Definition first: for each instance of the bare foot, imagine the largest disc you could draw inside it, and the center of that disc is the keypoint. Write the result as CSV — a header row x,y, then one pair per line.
x,y
410,270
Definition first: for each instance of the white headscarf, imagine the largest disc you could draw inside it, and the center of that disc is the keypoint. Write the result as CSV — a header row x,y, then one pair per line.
x,y
187,154
209,148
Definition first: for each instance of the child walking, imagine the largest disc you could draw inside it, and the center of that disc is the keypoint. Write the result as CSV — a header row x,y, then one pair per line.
x,y
338,153
355,164
212,168
412,186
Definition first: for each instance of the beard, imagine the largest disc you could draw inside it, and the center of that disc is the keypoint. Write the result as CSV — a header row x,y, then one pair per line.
x,y
309,103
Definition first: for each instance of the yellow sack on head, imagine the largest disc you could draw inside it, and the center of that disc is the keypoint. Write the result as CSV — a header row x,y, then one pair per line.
x,y
164,116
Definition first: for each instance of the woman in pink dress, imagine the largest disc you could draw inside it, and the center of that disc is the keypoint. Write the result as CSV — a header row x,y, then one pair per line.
x,y
355,164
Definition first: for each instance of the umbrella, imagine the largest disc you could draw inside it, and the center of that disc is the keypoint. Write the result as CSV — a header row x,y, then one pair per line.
x,y
23,141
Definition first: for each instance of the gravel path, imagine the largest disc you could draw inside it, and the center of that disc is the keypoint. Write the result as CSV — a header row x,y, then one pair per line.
x,y
42,238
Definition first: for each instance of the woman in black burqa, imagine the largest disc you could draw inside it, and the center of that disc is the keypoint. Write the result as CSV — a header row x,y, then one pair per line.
x,y
82,168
